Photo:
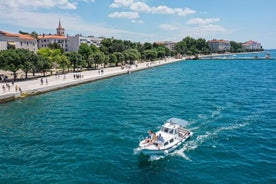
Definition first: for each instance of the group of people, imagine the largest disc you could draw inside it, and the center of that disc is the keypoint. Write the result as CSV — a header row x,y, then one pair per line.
x,y
42,81
8,87
152,138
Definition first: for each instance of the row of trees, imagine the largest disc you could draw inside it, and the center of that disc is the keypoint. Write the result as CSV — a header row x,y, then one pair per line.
x,y
112,52
191,46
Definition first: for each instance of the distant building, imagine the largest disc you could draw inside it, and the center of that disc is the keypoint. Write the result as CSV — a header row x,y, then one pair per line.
x,y
45,39
68,43
251,45
17,41
74,42
219,45
169,44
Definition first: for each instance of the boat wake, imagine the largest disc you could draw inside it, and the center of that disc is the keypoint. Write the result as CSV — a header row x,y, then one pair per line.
x,y
194,143
181,153
155,157
197,140
200,139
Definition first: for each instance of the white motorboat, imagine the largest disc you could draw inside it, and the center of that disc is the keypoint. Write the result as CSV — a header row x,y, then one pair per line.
x,y
173,133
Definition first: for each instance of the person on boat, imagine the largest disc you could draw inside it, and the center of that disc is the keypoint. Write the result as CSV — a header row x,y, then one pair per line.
x,y
149,137
160,141
154,139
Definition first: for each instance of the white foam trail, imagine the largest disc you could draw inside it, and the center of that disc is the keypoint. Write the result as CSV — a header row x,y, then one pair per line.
x,y
233,127
203,116
217,112
181,153
136,151
156,157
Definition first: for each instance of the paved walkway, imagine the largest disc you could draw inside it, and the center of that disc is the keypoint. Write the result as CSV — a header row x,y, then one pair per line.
x,y
54,82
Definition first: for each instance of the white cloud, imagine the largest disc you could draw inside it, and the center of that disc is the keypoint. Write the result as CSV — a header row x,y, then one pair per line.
x,y
201,21
127,15
143,7
184,12
36,21
62,4
168,27
140,7
121,3
89,1
162,10
175,11
212,28
137,21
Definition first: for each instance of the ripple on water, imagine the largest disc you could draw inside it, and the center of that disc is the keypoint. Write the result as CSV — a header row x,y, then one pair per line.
x,y
88,133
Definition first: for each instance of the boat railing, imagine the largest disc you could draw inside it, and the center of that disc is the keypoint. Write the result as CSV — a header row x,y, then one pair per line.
x,y
182,132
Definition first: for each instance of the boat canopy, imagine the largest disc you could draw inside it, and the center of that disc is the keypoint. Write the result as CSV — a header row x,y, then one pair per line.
x,y
178,121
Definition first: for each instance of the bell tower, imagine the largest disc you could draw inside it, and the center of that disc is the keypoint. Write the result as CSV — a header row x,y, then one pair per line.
x,y
60,30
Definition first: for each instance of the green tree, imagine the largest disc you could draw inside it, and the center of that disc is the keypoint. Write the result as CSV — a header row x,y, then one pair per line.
x,y
120,58
151,54
131,55
98,58
85,51
236,47
10,61
55,46
75,59
43,64
26,59
147,46
113,58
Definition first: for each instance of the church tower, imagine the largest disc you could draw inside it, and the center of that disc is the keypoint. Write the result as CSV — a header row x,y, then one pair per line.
x,y
60,30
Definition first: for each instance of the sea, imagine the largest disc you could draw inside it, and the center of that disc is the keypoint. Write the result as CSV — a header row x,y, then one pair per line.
x,y
90,133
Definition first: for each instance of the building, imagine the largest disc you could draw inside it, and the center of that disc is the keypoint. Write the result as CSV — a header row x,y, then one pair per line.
x,y
169,44
45,39
74,42
68,43
251,45
17,41
219,45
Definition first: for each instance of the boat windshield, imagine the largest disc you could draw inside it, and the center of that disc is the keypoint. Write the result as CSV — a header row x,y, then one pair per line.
x,y
167,130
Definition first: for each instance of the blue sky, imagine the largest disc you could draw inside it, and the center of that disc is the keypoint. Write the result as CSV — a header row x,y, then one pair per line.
x,y
146,20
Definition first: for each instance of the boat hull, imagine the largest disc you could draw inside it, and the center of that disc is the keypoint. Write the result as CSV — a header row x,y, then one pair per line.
x,y
155,151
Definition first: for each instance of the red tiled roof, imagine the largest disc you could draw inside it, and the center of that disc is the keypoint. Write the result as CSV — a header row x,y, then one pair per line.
x,y
218,41
21,36
51,36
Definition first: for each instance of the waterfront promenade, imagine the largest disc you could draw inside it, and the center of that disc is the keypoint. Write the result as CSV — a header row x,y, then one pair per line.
x,y
36,86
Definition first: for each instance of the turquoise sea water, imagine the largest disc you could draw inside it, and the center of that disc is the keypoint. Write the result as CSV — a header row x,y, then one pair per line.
x,y
89,133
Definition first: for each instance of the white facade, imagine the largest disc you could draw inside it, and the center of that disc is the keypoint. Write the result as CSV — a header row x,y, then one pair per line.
x,y
45,40
219,45
17,41
252,45
74,42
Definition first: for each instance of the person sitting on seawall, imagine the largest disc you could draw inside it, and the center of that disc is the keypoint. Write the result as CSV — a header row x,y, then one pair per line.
x,y
160,141
149,137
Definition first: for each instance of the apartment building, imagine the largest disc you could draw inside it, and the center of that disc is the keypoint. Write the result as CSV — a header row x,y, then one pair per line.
x,y
17,41
219,45
251,45
74,42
